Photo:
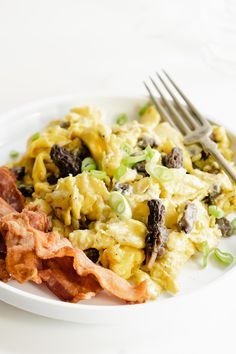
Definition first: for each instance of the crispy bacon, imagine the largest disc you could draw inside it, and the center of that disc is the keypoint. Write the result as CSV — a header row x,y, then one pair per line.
x,y
5,209
62,279
9,191
3,250
38,220
21,260
4,275
39,256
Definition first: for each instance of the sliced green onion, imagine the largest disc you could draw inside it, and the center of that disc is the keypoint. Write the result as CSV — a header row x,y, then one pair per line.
x,y
215,211
223,257
161,173
119,205
143,109
88,164
205,251
35,136
121,119
14,154
127,148
120,171
132,160
98,174
150,153
233,224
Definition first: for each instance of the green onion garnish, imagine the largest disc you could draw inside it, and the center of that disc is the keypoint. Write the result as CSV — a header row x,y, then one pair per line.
x,y
121,119
150,153
35,136
233,224
14,154
223,257
88,164
120,171
215,211
143,109
132,160
161,173
98,174
205,251
119,205
127,148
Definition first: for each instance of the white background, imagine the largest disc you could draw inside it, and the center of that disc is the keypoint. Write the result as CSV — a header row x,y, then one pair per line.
x,y
77,46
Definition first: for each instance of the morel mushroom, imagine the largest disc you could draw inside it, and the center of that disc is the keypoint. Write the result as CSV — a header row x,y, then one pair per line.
x,y
66,161
124,188
225,226
19,172
211,197
157,236
188,219
174,159
146,140
92,254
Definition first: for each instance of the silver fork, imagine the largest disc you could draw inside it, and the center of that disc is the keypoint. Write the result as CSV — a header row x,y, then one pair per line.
x,y
187,119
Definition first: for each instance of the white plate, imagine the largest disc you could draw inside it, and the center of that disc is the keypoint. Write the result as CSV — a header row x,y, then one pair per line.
x,y
16,126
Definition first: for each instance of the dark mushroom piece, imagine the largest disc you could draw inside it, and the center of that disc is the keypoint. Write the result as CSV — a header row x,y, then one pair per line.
x,y
174,159
157,236
66,161
205,155
225,226
52,179
124,188
140,167
84,223
146,140
19,172
26,190
65,125
213,195
92,254
188,219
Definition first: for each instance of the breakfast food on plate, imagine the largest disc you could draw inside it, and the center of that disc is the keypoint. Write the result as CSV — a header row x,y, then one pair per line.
x,y
91,207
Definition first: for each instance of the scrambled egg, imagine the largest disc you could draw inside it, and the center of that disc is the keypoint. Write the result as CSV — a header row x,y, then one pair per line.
x,y
79,205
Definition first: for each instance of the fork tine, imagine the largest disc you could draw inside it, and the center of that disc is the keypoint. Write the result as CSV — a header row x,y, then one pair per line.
x,y
162,111
178,104
180,122
188,102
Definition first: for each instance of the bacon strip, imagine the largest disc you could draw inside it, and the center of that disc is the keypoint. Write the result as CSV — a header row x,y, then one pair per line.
x,y
5,209
38,256
21,260
64,282
4,275
38,220
9,191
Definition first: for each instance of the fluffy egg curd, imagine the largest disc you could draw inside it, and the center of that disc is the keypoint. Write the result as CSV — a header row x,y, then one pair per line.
x,y
132,196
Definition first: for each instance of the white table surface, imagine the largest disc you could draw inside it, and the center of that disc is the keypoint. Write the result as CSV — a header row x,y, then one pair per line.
x,y
76,46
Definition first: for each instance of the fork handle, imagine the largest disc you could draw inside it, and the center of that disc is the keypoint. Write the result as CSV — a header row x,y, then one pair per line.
x,y
211,147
